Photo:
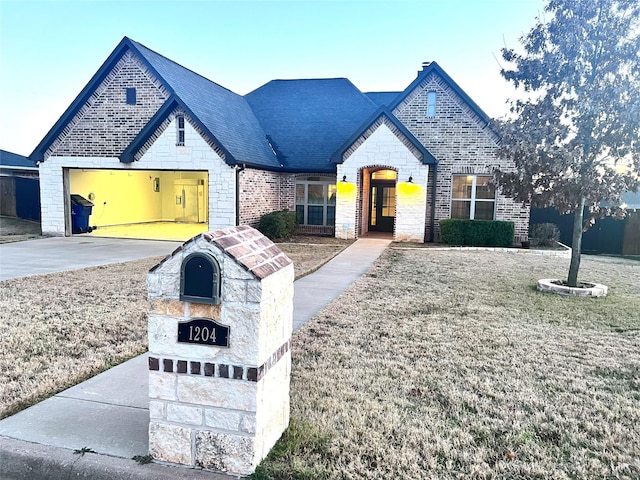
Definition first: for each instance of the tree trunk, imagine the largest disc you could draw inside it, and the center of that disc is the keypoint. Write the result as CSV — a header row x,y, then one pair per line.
x,y
576,245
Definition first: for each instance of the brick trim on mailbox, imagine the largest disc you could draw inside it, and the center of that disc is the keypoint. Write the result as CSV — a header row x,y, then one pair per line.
x,y
218,370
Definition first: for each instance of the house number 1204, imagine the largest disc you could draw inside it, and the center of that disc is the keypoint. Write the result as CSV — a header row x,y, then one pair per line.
x,y
203,331
197,334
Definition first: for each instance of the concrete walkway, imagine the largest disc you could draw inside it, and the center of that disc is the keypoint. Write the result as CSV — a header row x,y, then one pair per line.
x,y
108,414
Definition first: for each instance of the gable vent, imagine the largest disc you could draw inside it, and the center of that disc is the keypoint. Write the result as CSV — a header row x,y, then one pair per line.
x,y
131,96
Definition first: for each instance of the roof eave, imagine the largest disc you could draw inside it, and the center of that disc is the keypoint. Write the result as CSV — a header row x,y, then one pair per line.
x,y
15,167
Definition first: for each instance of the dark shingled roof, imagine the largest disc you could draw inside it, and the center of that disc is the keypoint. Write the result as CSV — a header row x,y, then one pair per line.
x,y
8,159
226,115
308,120
285,125
382,98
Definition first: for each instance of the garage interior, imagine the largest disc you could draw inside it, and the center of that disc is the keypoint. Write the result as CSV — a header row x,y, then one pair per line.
x,y
144,204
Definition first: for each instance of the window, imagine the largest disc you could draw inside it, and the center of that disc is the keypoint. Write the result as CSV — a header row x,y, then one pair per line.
x,y
180,130
131,96
431,104
316,201
473,197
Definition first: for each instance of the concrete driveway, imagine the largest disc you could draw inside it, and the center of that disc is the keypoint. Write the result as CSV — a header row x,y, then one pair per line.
x,y
56,254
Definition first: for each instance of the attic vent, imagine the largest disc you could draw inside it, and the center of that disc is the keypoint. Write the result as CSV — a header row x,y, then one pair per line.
x,y
131,96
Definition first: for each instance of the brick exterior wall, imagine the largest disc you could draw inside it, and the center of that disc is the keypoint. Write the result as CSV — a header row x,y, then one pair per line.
x,y
106,124
262,192
462,144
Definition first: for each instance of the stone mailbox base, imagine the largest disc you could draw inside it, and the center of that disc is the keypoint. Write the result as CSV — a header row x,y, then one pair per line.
x,y
222,407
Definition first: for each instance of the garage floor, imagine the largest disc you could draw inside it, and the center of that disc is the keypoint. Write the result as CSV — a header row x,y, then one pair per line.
x,y
152,231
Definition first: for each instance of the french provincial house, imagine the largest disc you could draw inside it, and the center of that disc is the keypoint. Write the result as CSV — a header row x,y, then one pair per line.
x,y
148,140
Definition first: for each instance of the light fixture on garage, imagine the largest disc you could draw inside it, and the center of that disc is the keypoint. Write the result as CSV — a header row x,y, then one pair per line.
x,y
410,179
344,178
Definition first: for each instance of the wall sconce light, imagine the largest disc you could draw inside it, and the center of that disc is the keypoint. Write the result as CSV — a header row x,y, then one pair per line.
x,y
344,178
410,179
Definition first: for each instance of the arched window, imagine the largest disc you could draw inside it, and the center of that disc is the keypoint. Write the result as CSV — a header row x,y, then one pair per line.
x,y
200,279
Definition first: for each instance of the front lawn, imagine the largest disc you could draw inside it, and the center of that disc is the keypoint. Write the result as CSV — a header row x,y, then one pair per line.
x,y
450,365
62,328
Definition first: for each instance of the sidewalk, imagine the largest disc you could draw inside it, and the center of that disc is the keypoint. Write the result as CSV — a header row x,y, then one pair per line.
x,y
109,414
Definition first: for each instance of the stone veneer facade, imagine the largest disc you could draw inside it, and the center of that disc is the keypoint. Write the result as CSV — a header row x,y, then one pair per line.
x,y
222,408
382,146
163,154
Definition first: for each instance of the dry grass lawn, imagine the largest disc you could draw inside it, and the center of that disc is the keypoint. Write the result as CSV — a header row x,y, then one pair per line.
x,y
62,328
450,365
17,230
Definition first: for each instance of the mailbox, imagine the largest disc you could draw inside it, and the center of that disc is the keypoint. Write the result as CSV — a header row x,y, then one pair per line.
x,y
200,279
220,324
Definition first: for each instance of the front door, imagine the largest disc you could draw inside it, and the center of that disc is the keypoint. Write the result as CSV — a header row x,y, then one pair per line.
x,y
382,206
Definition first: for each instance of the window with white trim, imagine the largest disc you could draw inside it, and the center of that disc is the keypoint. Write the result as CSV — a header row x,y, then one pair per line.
x,y
473,197
180,130
316,201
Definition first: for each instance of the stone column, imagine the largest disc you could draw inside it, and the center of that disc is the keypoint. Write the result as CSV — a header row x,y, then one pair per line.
x,y
220,364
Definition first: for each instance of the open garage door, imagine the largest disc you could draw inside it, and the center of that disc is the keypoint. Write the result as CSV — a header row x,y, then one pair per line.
x,y
149,204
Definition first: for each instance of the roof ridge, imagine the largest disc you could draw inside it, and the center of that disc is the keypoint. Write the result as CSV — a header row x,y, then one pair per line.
x,y
138,44
313,79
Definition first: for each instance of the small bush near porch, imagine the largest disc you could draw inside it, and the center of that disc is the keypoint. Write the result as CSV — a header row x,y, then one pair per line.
x,y
450,365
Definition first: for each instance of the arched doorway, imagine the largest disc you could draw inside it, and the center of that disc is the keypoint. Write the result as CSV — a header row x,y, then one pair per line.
x,y
382,200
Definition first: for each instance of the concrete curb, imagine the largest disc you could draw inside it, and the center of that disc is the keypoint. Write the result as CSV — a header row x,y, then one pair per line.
x,y
21,460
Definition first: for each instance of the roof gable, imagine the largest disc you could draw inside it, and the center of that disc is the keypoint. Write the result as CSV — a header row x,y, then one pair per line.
x,y
223,114
430,68
384,115
226,115
307,120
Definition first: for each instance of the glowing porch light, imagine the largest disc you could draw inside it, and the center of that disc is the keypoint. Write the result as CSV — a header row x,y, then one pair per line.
x,y
410,193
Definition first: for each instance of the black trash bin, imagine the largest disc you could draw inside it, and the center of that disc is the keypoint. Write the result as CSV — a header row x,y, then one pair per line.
x,y
80,212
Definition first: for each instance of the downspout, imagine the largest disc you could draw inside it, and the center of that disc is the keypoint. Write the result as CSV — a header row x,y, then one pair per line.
x,y
238,168
433,203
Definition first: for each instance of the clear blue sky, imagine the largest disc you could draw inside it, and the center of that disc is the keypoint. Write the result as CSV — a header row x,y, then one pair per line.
x,y
50,49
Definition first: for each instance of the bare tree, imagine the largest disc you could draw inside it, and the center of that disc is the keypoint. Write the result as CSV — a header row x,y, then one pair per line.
x,y
575,140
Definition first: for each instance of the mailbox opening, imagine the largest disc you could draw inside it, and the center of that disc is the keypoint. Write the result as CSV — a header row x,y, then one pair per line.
x,y
200,279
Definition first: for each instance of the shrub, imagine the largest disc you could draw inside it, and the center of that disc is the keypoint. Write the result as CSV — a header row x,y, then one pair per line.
x,y
277,225
544,234
480,233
